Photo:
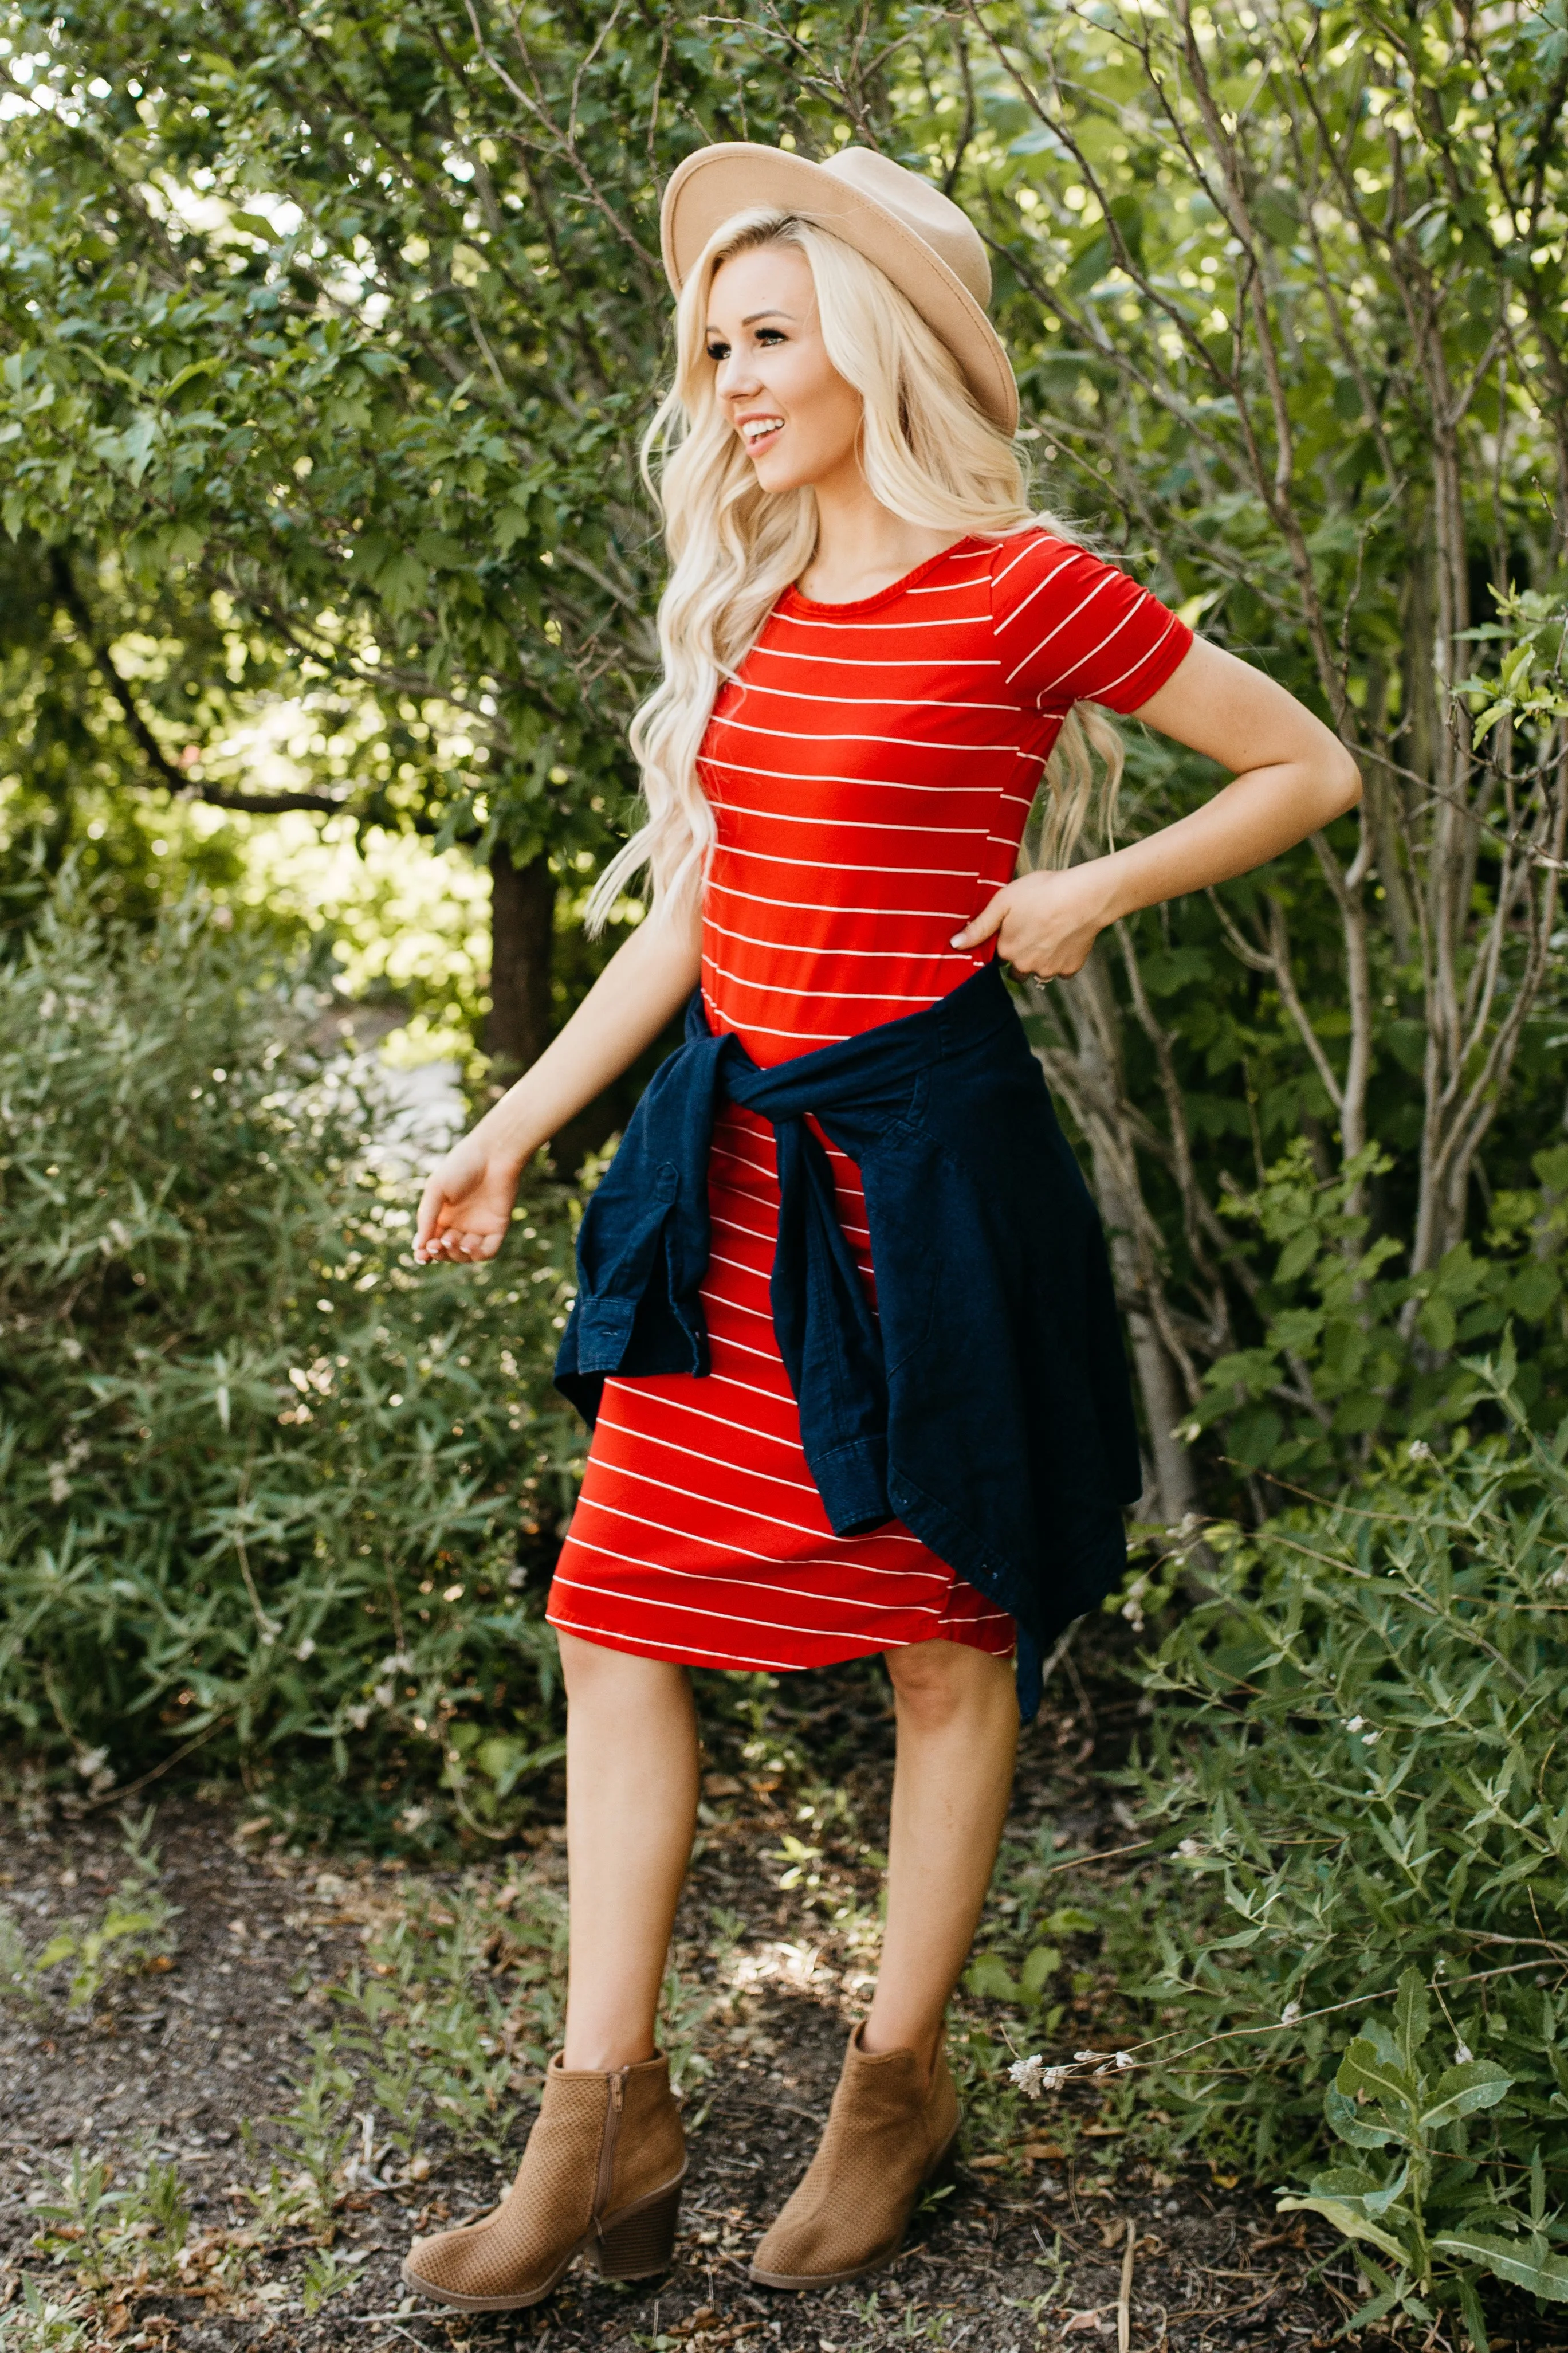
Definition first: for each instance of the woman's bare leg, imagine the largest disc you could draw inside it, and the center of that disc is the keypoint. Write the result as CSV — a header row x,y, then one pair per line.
x,y
631,1814
957,1733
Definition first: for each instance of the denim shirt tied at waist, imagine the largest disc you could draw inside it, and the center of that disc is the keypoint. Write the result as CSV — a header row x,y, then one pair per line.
x,y
985,1403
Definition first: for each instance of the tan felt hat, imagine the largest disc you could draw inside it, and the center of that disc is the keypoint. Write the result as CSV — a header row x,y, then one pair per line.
x,y
919,237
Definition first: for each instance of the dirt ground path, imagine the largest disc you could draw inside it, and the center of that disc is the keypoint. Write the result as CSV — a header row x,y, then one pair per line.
x,y
188,2066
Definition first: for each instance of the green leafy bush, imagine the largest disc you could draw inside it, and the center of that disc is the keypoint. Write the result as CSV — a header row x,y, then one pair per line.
x,y
1357,1775
1354,1352
262,1480
1422,2196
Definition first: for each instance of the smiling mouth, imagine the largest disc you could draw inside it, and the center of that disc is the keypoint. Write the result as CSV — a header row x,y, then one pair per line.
x,y
759,432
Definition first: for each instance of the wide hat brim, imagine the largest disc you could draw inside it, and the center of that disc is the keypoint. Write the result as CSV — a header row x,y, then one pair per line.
x,y
716,183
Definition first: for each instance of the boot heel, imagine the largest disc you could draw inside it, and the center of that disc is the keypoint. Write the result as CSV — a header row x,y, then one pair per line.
x,y
641,2241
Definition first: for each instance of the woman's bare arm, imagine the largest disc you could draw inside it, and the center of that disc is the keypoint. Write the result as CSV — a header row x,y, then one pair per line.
x,y
1290,775
466,1204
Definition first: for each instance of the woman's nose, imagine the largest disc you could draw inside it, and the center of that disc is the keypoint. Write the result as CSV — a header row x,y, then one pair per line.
x,y
737,377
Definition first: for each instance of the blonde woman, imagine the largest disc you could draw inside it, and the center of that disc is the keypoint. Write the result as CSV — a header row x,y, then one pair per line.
x,y
844,1325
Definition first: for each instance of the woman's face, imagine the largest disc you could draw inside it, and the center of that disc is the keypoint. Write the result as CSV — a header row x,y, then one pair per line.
x,y
798,419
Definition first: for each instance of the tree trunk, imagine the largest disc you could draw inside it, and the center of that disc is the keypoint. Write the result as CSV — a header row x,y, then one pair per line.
x,y
1170,1478
520,1023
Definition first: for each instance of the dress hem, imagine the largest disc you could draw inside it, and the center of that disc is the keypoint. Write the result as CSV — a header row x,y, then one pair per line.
x,y
685,1654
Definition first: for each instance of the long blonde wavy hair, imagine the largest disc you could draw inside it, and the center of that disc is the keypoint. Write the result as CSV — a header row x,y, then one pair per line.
x,y
928,453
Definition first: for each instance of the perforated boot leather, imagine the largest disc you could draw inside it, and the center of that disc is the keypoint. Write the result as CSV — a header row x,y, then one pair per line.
x,y
601,2176
891,2133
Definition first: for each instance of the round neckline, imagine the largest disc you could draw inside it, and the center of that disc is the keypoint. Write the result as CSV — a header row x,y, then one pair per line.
x,y
794,596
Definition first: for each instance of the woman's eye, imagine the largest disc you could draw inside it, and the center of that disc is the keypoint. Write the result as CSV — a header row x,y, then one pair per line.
x,y
718,350
770,334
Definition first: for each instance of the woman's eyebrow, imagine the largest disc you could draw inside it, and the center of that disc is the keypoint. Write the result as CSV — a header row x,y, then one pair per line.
x,y
752,316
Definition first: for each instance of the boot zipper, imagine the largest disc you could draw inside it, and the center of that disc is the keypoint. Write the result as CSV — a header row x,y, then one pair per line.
x,y
618,2086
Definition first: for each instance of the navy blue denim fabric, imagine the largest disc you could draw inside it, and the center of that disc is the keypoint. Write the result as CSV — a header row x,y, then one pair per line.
x,y
988,1405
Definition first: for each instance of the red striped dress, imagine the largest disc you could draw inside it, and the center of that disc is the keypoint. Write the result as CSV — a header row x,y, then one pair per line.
x,y
870,772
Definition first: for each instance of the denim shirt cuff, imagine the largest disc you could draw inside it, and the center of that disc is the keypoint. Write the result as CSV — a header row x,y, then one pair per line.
x,y
852,1480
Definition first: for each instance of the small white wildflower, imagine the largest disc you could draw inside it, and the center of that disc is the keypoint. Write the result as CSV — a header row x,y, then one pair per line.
x,y
1190,1847
1419,1450
1053,2079
92,1761
1025,2074
1124,2058
359,1715
1290,2013
60,1482
1463,2055
1085,2057
1559,1576
307,1648
1354,1723
1370,1739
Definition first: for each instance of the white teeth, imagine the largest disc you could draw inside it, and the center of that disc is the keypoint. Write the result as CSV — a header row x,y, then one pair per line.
x,y
756,427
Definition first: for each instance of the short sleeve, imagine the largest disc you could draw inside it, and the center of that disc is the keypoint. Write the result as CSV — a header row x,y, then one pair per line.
x,y
1071,629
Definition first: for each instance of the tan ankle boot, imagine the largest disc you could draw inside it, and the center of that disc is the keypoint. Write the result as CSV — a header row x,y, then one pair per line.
x,y
890,2134
602,2171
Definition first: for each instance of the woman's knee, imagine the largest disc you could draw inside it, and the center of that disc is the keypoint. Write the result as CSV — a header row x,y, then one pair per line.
x,y
938,1684
595,1675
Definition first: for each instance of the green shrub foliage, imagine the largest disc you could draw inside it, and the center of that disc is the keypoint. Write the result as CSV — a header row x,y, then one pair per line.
x,y
1353,1941
262,1478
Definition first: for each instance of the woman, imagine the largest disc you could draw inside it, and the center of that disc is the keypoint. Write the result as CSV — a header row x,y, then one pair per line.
x,y
872,648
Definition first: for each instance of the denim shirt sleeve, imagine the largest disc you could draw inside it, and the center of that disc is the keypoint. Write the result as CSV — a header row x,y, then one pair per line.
x,y
643,1244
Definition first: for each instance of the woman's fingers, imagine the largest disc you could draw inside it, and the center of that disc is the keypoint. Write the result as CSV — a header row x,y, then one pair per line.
x,y
430,1202
988,921
457,1245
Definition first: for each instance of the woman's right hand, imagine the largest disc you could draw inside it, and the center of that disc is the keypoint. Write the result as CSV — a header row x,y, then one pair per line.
x,y
466,1207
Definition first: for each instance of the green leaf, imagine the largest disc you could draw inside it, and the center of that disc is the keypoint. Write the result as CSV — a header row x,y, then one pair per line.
x,y
1475,2318
1412,2017
1091,260
989,1977
197,367
1438,1322
1378,2201
1296,1255
1343,2118
509,525
402,581
1366,2071
1040,1966
1070,1920
1461,2091
1349,2222
1346,2181
1539,2274
1349,2185
439,548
